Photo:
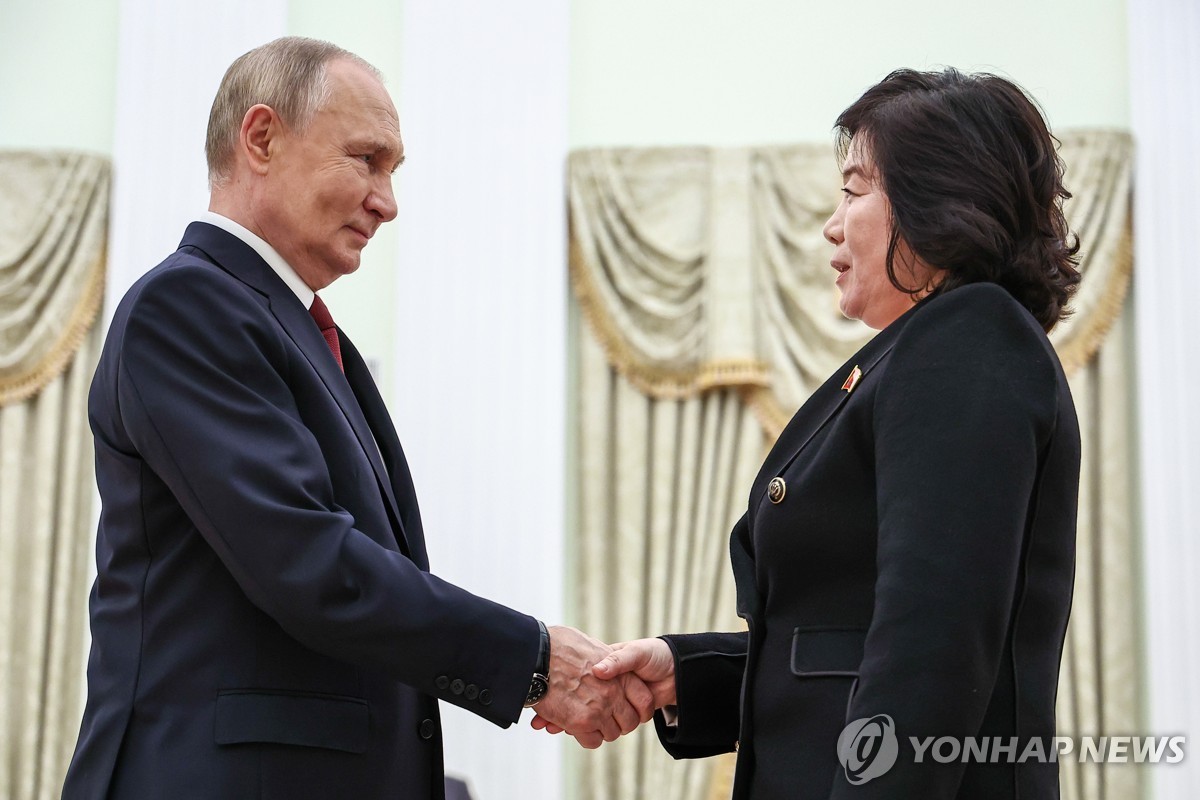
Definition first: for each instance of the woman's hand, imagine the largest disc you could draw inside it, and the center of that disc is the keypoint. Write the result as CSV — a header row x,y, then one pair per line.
x,y
649,659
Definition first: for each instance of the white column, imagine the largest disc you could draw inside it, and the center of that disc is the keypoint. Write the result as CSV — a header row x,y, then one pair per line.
x,y
1165,94
170,60
479,392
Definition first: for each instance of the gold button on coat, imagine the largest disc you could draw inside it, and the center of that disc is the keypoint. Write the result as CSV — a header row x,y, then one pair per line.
x,y
776,489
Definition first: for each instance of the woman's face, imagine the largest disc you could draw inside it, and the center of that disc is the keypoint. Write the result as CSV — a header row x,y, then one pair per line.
x,y
859,230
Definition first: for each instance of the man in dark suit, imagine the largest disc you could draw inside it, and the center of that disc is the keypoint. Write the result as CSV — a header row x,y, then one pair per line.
x,y
264,623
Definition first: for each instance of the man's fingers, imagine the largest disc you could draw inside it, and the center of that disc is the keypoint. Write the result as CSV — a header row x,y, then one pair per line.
x,y
590,740
540,723
609,729
626,716
639,696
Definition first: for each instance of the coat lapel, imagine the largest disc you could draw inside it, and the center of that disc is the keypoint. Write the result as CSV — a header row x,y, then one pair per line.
x,y
823,406
239,259
402,492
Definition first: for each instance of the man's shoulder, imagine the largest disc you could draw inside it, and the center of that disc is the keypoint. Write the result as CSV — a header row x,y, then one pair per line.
x,y
161,283
185,283
191,262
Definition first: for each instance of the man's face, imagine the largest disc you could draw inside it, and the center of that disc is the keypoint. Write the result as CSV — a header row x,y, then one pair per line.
x,y
329,188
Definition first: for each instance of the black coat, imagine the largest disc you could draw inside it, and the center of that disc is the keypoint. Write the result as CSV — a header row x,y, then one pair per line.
x,y
264,623
919,565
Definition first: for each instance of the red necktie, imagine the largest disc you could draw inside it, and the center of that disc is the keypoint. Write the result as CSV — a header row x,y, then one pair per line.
x,y
325,322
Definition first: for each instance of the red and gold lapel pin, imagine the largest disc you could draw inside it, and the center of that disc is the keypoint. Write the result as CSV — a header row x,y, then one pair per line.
x,y
852,380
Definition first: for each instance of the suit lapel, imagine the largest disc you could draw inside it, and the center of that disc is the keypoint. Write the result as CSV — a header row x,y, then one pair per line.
x,y
823,406
239,259
296,320
400,488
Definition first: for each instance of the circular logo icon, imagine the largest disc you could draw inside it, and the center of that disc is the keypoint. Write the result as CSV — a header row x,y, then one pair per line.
x,y
867,748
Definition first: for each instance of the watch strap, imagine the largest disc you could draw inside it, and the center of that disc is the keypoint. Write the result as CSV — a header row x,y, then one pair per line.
x,y
539,685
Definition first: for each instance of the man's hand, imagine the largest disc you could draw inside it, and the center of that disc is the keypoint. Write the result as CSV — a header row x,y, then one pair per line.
x,y
644,665
590,709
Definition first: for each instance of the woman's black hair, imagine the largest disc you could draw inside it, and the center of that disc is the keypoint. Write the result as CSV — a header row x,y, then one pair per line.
x,y
974,181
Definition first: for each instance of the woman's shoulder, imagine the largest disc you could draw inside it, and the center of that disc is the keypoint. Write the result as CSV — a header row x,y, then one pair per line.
x,y
977,339
980,296
976,315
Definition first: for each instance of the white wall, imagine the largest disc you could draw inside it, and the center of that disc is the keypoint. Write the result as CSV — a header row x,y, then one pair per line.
x,y
479,315
1165,36
58,74
163,94
760,71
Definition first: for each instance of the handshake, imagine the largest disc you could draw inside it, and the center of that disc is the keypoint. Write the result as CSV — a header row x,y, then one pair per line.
x,y
599,692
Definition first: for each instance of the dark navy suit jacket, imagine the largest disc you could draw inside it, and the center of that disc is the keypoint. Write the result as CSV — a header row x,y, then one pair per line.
x,y
919,565
264,623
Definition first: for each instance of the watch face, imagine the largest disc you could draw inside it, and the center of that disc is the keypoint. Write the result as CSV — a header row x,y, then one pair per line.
x,y
537,690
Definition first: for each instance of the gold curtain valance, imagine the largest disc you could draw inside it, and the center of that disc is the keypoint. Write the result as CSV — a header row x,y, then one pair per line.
x,y
53,223
699,268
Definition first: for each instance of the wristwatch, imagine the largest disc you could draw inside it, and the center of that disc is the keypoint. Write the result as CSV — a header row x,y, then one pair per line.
x,y
541,673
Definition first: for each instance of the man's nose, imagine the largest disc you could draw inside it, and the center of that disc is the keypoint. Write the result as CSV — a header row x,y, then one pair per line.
x,y
382,200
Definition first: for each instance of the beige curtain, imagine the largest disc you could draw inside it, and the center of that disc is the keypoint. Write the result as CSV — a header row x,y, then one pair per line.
x,y
703,278
53,218
1099,691
656,499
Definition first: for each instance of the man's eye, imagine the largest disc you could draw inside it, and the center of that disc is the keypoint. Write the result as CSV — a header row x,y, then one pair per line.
x,y
367,157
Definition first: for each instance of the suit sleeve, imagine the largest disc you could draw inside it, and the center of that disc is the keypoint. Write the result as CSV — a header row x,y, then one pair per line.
x,y
708,681
204,395
965,407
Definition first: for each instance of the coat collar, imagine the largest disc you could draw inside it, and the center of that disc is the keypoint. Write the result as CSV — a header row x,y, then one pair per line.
x,y
241,261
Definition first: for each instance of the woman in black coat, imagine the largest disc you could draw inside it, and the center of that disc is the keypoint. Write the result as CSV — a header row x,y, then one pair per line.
x,y
905,565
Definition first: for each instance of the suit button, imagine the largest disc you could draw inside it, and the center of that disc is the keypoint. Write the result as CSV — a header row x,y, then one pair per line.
x,y
457,686
426,729
442,682
471,692
485,696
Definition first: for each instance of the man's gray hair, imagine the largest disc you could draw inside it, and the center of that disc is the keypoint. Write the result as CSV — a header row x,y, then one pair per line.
x,y
288,74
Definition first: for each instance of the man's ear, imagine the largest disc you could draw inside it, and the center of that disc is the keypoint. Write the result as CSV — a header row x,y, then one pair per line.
x,y
260,127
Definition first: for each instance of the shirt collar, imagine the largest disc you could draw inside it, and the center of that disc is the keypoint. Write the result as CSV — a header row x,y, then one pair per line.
x,y
275,261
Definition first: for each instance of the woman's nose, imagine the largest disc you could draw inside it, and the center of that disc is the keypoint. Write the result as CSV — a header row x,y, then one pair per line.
x,y
833,227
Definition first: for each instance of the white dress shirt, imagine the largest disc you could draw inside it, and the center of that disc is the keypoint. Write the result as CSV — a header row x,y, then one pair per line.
x,y
269,254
